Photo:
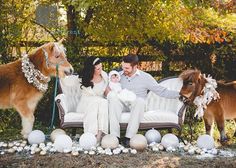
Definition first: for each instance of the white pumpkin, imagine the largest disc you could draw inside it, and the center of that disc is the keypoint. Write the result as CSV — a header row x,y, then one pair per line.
x,y
153,135
55,133
170,140
63,142
87,141
138,142
36,137
110,141
205,141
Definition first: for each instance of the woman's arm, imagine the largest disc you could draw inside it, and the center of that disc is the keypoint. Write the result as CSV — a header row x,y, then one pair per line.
x,y
108,89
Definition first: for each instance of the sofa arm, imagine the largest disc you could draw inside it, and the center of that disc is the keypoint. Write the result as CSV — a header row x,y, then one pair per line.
x,y
181,113
62,105
63,101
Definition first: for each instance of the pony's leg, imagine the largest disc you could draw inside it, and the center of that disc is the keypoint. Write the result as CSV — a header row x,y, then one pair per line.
x,y
27,118
220,121
27,125
208,120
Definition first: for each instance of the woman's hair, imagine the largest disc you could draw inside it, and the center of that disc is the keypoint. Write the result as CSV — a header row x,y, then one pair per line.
x,y
88,71
132,59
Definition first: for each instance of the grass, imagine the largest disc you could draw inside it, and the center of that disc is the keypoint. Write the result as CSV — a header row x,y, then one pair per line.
x,y
10,127
13,133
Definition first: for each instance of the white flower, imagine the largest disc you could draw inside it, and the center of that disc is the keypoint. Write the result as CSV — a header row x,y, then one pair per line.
x,y
209,94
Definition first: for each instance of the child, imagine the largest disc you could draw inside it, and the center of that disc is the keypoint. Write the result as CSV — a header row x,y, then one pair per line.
x,y
114,81
124,95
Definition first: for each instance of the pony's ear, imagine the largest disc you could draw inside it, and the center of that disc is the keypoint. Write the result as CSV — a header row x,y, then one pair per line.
x,y
51,46
54,49
61,41
199,74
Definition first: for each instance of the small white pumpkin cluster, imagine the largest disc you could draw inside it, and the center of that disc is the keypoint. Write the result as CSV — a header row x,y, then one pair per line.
x,y
170,143
205,144
12,147
109,145
87,144
21,146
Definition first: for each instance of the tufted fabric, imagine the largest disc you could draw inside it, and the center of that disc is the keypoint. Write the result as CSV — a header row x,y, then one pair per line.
x,y
158,116
157,103
70,86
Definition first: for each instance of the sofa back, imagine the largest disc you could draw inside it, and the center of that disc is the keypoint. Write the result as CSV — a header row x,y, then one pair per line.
x,y
157,103
70,87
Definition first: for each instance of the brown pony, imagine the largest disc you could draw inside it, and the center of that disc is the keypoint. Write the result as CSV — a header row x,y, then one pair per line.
x,y
217,110
23,82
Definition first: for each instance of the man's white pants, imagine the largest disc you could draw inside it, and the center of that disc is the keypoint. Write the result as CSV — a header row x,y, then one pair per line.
x,y
116,107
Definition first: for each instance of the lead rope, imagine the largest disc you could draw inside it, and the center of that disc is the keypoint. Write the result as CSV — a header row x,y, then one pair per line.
x,y
54,103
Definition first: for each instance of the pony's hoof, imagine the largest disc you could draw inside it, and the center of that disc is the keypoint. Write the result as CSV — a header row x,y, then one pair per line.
x,y
224,140
24,135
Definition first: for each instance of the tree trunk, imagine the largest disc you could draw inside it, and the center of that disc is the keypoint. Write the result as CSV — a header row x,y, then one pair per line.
x,y
71,24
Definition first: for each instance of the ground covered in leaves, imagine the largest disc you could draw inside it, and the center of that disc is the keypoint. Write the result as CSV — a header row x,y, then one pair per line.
x,y
141,159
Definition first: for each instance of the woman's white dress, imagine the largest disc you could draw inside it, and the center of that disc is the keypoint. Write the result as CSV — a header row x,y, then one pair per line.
x,y
94,107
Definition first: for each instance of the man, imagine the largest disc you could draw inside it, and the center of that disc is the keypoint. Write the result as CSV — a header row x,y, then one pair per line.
x,y
140,83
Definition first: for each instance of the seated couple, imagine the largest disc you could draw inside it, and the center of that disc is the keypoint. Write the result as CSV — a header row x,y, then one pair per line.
x,y
102,102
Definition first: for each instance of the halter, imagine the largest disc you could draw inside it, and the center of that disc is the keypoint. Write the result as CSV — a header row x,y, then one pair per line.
x,y
49,63
208,93
34,76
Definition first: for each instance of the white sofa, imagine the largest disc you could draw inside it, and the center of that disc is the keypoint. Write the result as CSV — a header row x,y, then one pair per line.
x,y
161,113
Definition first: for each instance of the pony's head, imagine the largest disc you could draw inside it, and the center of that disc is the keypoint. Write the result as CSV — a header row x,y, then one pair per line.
x,y
55,54
193,84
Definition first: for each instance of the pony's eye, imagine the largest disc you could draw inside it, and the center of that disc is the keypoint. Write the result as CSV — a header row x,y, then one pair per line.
x,y
190,83
57,56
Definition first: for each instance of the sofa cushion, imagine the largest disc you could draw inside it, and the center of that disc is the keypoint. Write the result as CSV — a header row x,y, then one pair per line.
x,y
73,117
153,116
149,117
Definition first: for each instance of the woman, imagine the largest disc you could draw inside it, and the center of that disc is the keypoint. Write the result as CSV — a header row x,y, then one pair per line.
x,y
93,104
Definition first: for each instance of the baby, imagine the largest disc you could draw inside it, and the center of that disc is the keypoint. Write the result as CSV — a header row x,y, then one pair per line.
x,y
114,81
124,95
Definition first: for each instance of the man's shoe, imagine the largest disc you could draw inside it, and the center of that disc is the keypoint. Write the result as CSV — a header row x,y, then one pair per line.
x,y
126,142
120,142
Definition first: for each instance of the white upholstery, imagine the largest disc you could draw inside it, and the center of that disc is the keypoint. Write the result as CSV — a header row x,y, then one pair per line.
x,y
73,117
154,117
157,103
159,109
70,86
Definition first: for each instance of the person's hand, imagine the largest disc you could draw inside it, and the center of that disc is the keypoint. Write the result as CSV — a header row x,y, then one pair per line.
x,y
184,99
108,89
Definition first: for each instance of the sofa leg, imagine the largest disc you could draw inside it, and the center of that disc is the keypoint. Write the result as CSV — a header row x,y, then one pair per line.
x,y
73,131
180,132
180,136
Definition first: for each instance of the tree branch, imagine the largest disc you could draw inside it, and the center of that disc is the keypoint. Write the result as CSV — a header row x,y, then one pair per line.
x,y
46,29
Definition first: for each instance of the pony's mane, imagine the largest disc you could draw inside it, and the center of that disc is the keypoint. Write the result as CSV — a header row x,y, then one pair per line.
x,y
190,75
231,84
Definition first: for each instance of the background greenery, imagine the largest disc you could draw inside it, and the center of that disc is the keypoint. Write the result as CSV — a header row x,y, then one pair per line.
x,y
180,33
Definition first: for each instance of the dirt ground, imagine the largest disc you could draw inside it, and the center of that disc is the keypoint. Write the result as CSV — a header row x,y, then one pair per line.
x,y
141,159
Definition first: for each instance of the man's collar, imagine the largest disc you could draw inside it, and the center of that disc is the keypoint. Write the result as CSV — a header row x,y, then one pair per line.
x,y
136,73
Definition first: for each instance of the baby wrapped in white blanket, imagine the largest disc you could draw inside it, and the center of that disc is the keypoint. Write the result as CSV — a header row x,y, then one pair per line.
x,y
126,96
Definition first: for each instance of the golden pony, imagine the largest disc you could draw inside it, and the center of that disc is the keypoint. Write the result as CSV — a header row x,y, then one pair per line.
x,y
23,82
216,99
